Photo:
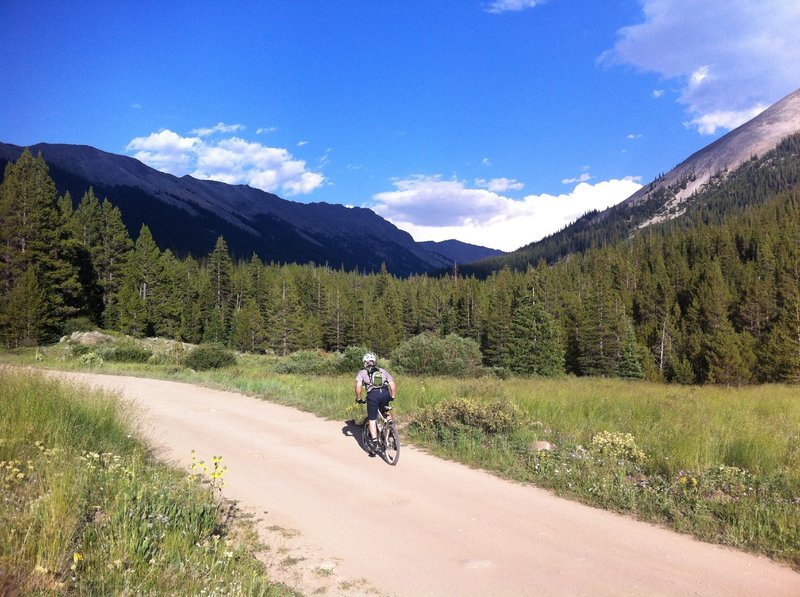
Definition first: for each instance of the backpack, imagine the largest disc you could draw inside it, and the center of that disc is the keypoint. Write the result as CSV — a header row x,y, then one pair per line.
x,y
376,380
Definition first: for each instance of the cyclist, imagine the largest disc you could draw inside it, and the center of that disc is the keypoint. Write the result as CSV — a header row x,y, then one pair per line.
x,y
381,390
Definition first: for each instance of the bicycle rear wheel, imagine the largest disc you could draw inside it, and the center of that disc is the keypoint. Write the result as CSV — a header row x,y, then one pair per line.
x,y
391,448
365,437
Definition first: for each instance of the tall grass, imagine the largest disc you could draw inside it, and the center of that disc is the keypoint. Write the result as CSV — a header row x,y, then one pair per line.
x,y
85,509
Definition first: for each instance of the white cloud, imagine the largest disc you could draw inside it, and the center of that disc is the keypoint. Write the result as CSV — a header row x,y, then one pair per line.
x,y
220,127
657,93
166,151
268,129
231,160
500,6
301,143
499,185
729,57
430,208
584,177
707,124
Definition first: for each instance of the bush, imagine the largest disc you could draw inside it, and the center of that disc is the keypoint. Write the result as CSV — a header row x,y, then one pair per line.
x,y
429,354
78,324
80,349
490,416
352,358
310,361
130,353
209,356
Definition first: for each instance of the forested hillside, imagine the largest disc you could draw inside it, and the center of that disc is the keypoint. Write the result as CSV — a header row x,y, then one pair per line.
x,y
726,194
711,298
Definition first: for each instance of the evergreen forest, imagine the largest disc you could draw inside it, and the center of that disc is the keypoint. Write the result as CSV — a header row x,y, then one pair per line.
x,y
712,297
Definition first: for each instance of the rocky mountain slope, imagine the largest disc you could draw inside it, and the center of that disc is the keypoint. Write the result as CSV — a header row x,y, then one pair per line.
x,y
753,138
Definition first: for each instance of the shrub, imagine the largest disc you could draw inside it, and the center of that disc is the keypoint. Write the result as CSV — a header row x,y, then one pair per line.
x,y
309,361
91,359
78,324
209,356
429,354
130,353
491,416
80,349
352,358
616,446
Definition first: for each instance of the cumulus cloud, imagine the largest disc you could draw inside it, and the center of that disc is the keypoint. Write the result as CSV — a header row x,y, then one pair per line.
x,y
166,151
231,160
268,129
431,208
501,6
731,58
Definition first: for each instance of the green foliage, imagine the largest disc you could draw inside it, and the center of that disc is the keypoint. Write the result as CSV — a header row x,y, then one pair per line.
x,y
127,353
352,359
535,344
78,324
86,510
493,415
209,356
428,354
310,362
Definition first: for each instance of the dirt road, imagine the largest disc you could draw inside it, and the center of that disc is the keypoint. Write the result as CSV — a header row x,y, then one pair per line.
x,y
333,517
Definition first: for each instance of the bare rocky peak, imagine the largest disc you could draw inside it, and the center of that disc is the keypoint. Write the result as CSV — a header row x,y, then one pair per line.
x,y
753,138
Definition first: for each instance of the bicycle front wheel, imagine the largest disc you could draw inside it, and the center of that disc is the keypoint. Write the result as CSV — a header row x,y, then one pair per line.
x,y
391,449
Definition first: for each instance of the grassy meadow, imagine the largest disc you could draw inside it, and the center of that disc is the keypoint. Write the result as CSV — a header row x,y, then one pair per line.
x,y
719,463
86,510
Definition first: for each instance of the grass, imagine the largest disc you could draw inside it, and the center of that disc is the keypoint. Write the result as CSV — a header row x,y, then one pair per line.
x,y
720,463
86,510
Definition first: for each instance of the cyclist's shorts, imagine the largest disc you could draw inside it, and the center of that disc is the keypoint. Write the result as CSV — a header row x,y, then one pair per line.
x,y
377,399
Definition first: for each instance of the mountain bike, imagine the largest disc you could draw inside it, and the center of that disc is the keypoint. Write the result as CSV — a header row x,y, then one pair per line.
x,y
388,438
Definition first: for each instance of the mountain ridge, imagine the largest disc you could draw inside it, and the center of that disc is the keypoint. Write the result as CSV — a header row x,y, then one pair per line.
x,y
188,215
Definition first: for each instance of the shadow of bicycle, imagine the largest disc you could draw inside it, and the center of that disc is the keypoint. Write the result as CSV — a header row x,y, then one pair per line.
x,y
353,429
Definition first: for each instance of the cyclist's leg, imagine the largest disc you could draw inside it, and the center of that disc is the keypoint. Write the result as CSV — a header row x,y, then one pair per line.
x,y
372,414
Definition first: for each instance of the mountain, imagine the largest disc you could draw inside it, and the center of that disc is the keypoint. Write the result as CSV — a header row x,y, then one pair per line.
x,y
458,252
188,215
754,138
761,156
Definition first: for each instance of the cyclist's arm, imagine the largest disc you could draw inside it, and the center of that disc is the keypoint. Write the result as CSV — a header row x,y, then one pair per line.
x,y
358,389
393,389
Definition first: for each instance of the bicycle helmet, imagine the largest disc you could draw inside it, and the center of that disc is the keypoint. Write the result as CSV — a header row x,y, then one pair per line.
x,y
370,357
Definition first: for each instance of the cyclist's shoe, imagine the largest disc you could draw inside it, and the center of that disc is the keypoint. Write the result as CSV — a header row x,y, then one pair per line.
x,y
374,445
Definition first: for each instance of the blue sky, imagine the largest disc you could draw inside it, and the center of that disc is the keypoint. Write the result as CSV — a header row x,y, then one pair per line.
x,y
495,123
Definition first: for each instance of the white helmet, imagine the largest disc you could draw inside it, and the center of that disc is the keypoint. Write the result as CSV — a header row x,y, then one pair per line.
x,y
370,356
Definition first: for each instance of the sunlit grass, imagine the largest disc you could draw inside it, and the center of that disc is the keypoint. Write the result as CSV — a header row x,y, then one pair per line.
x,y
86,510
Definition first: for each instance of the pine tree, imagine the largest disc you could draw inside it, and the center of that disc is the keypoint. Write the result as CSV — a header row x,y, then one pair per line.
x,y
143,274
535,345
23,314
33,235
110,261
630,365
248,333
